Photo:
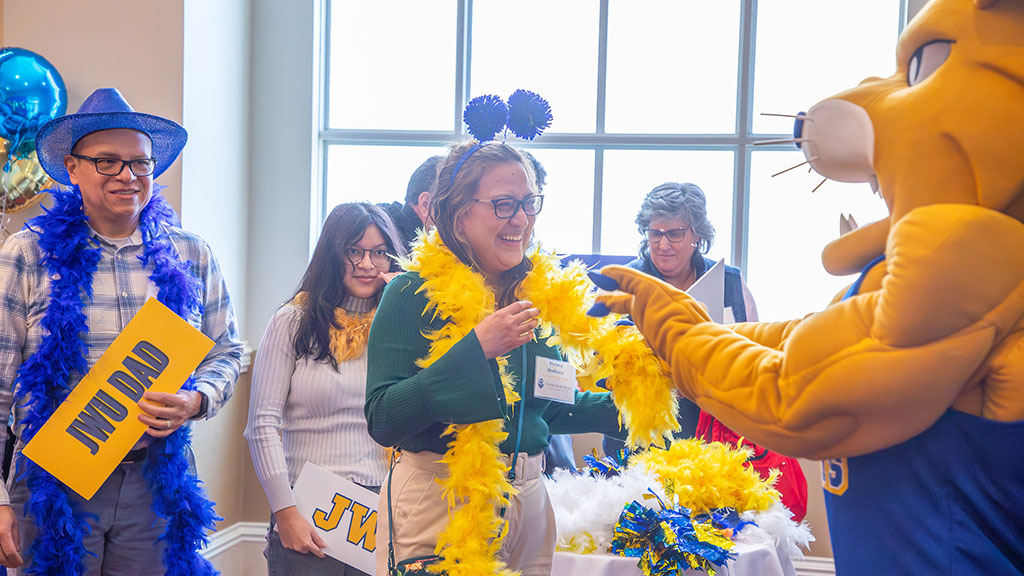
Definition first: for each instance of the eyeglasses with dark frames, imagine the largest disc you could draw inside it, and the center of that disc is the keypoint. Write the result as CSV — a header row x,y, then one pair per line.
x,y
114,166
505,208
379,256
675,235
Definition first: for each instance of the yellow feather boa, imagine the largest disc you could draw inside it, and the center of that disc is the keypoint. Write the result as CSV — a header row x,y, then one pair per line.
x,y
348,335
708,476
477,483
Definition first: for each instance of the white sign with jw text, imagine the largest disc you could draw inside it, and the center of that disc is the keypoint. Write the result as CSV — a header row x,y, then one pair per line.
x,y
343,512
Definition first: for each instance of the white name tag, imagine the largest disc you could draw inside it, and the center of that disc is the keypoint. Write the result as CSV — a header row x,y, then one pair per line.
x,y
555,380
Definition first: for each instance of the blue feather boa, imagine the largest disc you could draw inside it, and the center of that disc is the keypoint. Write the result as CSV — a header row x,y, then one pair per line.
x,y
70,257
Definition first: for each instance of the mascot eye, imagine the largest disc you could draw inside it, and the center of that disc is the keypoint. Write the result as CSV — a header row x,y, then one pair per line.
x,y
927,60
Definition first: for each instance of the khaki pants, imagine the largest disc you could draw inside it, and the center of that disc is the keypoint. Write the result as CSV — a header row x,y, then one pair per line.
x,y
421,513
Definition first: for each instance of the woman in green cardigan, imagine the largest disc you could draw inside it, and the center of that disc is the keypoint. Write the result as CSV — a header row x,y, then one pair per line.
x,y
484,207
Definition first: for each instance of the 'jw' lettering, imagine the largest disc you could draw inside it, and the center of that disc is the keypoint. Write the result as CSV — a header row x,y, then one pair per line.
x,y
362,524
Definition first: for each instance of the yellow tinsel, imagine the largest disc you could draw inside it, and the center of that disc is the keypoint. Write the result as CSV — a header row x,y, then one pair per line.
x,y
477,480
709,476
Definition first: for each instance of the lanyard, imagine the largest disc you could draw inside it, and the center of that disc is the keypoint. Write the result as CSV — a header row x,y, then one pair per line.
x,y
522,410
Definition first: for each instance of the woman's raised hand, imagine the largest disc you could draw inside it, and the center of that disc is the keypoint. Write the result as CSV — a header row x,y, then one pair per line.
x,y
507,328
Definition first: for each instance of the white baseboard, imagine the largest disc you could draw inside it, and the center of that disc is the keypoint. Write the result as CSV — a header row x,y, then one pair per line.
x,y
815,566
222,540
240,532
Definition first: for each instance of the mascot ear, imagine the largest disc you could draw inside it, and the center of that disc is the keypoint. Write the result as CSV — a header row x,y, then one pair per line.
x,y
982,4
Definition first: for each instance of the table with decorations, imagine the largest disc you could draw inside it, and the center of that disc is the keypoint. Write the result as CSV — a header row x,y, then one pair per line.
x,y
690,509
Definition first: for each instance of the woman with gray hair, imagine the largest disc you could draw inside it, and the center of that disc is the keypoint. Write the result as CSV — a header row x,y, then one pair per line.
x,y
673,221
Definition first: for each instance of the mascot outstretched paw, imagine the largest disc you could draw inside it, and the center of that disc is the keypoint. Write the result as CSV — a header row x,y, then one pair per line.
x,y
911,386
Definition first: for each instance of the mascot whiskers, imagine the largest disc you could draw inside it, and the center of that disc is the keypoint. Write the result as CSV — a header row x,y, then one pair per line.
x,y
910,388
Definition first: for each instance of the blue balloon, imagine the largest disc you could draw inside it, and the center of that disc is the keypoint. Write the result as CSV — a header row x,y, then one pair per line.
x,y
31,94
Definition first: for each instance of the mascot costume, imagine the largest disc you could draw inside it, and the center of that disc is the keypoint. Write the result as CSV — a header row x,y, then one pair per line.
x,y
910,388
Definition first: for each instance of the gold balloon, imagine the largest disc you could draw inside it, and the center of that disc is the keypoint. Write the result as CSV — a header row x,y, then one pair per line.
x,y
21,184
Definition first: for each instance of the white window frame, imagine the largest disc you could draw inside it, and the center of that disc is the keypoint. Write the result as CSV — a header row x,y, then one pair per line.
x,y
740,142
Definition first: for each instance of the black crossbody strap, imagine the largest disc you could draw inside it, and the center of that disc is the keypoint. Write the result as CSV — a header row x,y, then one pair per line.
x,y
391,523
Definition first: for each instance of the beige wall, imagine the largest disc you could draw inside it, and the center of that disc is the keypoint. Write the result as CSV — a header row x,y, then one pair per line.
x,y
222,458
215,107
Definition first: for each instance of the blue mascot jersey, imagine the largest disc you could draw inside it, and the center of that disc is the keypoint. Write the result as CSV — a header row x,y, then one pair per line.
x,y
948,501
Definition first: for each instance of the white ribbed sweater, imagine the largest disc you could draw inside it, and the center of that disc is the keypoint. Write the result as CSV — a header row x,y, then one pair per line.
x,y
302,410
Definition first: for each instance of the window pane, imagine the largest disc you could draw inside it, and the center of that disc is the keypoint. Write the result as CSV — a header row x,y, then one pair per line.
x,y
565,226
378,174
808,50
389,72
672,66
547,47
630,174
789,227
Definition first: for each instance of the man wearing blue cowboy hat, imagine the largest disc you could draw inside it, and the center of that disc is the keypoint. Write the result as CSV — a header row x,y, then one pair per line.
x,y
69,284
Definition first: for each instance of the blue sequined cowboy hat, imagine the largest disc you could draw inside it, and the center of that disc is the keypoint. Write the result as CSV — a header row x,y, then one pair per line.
x,y
106,109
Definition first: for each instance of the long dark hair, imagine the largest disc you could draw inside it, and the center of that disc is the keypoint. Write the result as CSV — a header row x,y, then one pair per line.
x,y
323,280
452,198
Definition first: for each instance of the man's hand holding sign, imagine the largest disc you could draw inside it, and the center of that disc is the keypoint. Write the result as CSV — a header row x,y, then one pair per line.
x,y
164,413
132,389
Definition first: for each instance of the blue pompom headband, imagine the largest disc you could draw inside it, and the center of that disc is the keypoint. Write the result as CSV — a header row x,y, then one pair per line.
x,y
526,115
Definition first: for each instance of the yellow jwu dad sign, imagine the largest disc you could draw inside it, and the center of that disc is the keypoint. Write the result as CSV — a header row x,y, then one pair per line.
x,y
95,427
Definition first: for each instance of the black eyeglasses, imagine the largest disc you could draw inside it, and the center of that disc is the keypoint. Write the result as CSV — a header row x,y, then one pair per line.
x,y
114,166
379,256
675,235
505,208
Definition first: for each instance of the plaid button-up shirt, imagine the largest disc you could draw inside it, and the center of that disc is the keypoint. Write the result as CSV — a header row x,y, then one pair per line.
x,y
120,287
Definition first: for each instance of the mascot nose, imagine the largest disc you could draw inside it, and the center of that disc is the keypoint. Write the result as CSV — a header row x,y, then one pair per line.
x,y
798,127
838,140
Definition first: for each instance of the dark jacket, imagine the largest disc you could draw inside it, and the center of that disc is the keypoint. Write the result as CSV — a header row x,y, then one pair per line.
x,y
406,221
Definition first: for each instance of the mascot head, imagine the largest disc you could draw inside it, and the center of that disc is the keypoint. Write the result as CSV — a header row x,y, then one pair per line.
x,y
946,128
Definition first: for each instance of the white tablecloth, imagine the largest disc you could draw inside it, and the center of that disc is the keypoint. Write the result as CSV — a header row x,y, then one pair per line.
x,y
750,560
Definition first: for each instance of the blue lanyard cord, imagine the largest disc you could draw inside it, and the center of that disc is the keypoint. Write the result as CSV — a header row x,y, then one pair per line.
x,y
522,410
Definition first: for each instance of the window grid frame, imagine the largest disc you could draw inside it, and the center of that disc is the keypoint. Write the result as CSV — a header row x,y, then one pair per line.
x,y
740,142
